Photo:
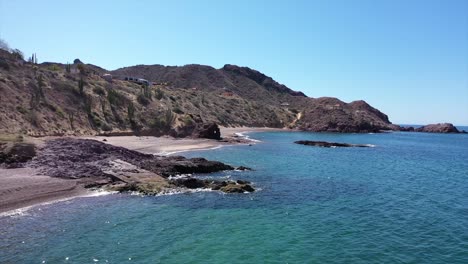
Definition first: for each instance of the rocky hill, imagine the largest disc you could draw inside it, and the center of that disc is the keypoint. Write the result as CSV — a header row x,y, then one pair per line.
x,y
79,99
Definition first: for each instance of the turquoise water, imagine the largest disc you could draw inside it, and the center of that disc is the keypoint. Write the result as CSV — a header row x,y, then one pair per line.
x,y
403,201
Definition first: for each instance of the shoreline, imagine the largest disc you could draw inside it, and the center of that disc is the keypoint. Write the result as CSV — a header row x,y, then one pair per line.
x,y
167,145
24,188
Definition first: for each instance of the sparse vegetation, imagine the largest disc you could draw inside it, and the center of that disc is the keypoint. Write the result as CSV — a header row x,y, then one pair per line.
x,y
81,85
54,67
99,91
18,54
164,121
32,59
143,100
177,110
82,68
159,94
33,118
115,98
37,94
131,112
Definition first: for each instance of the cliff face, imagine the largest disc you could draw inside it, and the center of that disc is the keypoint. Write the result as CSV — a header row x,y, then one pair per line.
x,y
333,115
54,99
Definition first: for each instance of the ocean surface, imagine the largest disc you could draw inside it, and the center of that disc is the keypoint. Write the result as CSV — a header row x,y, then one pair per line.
x,y
403,201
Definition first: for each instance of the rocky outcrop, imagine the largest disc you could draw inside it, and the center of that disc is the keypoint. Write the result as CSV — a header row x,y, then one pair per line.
x,y
13,155
438,128
96,164
238,186
210,131
325,144
332,115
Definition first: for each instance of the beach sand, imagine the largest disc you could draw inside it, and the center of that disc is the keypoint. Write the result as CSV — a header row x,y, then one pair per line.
x,y
167,145
23,187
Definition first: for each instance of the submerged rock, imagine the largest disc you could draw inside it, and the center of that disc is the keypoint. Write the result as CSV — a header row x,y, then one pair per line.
x,y
325,144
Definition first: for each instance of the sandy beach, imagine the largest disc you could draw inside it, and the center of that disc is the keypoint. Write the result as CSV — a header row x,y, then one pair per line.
x,y
23,187
166,145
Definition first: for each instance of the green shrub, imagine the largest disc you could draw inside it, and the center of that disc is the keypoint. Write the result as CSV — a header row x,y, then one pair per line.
x,y
33,118
21,110
177,110
106,127
115,98
131,111
163,122
99,91
159,94
188,121
143,100
54,67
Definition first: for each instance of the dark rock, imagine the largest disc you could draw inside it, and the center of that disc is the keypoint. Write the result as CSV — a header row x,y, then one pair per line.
x,y
242,182
189,182
438,128
407,129
328,114
237,188
210,131
77,61
329,144
84,158
17,154
105,140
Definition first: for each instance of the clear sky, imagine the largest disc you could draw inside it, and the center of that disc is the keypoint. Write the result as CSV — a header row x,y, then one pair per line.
x,y
407,58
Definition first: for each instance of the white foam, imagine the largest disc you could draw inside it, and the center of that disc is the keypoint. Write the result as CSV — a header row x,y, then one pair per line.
x,y
98,192
246,137
24,210
168,153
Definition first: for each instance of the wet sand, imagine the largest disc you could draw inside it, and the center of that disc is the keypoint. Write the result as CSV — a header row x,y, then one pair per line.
x,y
23,187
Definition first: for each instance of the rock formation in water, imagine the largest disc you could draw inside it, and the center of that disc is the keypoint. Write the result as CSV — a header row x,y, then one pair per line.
x,y
325,144
97,164
438,128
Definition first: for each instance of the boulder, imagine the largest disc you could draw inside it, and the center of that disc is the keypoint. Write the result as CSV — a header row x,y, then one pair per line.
x,y
210,131
17,154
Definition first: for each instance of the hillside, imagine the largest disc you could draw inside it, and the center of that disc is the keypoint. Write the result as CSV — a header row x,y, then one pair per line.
x,y
56,99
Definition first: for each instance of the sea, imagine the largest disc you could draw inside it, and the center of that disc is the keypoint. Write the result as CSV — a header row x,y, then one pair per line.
x,y
403,200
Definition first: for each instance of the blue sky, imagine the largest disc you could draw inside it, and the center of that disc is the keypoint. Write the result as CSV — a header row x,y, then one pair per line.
x,y
407,58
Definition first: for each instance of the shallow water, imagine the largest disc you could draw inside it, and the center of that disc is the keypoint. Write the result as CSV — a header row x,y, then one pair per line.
x,y
403,201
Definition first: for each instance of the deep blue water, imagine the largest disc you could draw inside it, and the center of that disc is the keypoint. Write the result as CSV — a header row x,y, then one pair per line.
x,y
403,201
